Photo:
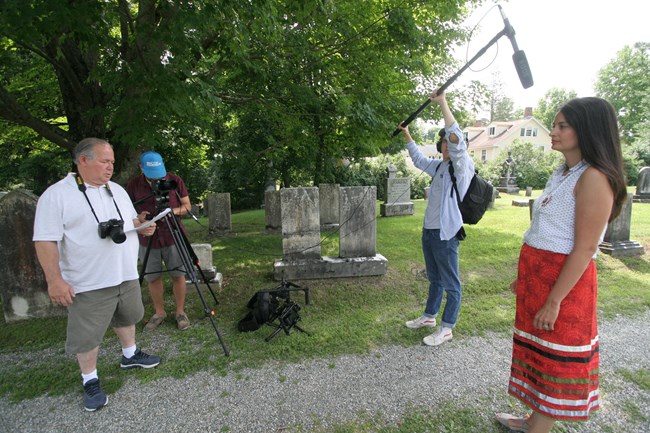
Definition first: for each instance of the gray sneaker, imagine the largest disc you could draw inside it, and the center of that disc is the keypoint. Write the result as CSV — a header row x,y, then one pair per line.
x,y
139,360
94,396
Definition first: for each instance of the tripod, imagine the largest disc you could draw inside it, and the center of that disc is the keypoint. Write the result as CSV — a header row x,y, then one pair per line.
x,y
189,259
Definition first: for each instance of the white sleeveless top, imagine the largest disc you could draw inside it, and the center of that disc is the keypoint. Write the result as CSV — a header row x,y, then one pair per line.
x,y
553,224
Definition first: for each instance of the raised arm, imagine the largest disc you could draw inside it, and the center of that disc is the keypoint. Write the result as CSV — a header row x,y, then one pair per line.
x,y
446,112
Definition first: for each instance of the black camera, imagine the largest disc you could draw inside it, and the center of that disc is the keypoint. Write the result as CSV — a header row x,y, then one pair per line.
x,y
161,186
113,228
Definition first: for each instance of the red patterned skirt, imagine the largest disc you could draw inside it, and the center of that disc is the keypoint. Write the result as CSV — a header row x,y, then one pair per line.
x,y
555,372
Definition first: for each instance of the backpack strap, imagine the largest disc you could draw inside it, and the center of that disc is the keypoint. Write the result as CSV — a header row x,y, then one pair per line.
x,y
461,233
454,187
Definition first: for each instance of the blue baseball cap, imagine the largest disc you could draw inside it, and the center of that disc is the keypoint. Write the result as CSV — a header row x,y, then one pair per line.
x,y
152,164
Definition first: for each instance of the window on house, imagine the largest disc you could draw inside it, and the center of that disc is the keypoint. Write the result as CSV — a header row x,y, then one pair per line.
x,y
522,132
492,130
528,132
483,155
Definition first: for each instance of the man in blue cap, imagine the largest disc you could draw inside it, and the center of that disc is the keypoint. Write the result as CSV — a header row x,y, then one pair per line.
x,y
152,192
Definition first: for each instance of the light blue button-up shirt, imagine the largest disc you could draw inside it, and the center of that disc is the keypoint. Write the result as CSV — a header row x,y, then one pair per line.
x,y
442,212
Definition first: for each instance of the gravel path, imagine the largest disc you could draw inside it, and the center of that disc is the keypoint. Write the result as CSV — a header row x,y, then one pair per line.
x,y
467,372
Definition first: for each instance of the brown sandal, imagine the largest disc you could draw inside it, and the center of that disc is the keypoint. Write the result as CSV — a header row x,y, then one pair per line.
x,y
154,322
514,423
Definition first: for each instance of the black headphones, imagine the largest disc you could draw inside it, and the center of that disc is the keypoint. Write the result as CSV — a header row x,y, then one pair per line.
x,y
441,136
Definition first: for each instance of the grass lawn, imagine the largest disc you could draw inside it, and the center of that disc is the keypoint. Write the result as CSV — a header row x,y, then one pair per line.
x,y
348,315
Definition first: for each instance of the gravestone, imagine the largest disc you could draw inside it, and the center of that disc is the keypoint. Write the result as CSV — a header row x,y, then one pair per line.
x,y
300,223
426,192
329,196
219,216
22,283
643,186
204,255
398,195
272,212
358,236
301,236
508,182
495,195
617,241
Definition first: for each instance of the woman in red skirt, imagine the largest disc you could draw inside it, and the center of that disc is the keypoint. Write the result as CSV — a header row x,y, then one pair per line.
x,y
555,344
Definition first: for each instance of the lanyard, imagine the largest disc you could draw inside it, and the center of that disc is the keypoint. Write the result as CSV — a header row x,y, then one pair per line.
x,y
82,188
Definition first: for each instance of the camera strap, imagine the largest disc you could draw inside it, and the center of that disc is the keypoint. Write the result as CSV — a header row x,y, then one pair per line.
x,y
82,187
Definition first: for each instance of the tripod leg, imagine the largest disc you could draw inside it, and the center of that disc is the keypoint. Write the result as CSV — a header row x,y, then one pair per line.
x,y
277,330
301,330
146,258
195,261
181,246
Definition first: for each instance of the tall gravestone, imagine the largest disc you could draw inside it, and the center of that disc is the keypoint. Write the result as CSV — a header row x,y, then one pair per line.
x,y
643,186
22,283
398,195
272,211
329,197
358,236
508,181
617,241
219,215
300,223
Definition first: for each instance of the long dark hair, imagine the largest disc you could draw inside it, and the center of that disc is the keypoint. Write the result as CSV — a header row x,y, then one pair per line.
x,y
595,123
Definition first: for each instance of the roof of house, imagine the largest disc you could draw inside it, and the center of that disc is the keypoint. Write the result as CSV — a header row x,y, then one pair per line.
x,y
479,137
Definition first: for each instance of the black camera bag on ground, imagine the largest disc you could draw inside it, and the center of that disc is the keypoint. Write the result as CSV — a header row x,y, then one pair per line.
x,y
261,305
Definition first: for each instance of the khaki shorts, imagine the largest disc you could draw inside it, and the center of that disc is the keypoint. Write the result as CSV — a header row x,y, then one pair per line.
x,y
171,257
91,313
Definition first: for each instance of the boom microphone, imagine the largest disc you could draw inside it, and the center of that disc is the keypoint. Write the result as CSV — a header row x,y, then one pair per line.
x,y
519,57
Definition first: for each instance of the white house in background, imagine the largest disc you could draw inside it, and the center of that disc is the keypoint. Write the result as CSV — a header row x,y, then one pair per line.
x,y
486,142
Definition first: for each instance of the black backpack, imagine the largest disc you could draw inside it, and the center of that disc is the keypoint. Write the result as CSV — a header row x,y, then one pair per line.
x,y
262,305
476,200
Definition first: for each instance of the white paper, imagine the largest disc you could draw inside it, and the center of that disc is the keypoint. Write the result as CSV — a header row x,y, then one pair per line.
x,y
153,220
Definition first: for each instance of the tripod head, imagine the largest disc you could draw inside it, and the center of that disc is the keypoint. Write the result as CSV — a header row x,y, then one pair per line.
x,y
161,189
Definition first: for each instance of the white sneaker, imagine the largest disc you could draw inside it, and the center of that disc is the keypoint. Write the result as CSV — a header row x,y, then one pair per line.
x,y
438,337
421,322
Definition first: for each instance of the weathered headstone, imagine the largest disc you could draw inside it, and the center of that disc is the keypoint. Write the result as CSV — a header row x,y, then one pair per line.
x,y
219,215
22,283
272,211
426,192
398,195
204,255
329,196
617,241
495,195
301,236
358,236
643,186
300,223
508,182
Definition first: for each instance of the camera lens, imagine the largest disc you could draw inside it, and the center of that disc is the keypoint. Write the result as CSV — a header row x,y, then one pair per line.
x,y
117,234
